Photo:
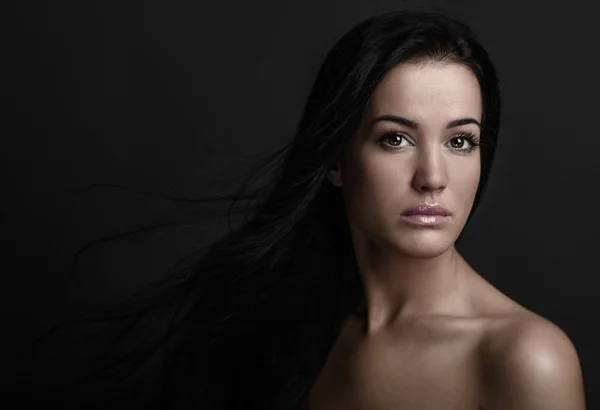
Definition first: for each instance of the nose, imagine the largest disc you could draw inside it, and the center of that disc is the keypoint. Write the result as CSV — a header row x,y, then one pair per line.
x,y
430,171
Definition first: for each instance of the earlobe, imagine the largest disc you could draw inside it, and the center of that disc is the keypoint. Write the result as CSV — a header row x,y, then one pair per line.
x,y
335,175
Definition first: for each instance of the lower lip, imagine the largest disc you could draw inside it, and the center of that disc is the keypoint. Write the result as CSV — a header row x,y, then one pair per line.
x,y
426,220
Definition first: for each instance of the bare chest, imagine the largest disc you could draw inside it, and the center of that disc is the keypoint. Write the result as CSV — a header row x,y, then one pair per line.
x,y
415,368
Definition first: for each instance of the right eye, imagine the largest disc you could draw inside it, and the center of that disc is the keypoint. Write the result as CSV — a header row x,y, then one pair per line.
x,y
392,140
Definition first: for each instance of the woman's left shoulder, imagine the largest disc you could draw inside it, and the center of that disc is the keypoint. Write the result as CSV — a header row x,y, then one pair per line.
x,y
525,334
535,361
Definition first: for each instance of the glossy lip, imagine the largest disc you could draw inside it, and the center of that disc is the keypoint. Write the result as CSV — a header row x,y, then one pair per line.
x,y
426,209
426,214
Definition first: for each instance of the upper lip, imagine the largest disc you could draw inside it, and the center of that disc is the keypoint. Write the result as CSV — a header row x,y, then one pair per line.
x,y
427,209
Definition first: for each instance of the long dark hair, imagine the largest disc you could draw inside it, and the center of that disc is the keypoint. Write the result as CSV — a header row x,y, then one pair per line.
x,y
250,322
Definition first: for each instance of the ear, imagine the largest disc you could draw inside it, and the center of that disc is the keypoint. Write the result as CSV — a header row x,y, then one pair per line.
x,y
335,175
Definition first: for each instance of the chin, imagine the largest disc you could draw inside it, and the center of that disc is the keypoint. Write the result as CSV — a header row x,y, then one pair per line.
x,y
424,244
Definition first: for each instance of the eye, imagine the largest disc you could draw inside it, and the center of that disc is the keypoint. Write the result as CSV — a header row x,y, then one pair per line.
x,y
459,142
465,142
392,140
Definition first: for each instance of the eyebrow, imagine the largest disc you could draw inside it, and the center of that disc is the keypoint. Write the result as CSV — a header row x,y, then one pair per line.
x,y
415,125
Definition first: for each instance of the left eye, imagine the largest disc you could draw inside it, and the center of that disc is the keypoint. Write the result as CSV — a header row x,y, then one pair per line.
x,y
459,142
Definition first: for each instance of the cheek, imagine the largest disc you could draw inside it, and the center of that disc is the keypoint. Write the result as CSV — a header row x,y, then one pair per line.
x,y
467,180
373,185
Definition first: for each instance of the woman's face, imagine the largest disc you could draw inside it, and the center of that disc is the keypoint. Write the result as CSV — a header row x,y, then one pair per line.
x,y
416,144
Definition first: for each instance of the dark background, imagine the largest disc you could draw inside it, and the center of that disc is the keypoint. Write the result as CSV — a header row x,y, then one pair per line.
x,y
181,98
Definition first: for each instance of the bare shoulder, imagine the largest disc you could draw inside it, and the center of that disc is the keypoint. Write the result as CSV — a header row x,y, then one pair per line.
x,y
529,363
526,361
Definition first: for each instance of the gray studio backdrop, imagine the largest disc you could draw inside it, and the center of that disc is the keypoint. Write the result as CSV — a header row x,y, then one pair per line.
x,y
182,98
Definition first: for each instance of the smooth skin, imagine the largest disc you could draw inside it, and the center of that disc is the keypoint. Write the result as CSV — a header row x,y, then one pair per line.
x,y
431,333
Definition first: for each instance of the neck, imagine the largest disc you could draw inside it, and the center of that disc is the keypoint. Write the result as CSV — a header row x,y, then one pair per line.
x,y
398,286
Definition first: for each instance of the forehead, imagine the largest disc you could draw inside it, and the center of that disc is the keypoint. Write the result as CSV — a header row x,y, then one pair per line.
x,y
428,92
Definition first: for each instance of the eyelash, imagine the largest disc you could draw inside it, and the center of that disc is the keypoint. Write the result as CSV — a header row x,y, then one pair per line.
x,y
470,137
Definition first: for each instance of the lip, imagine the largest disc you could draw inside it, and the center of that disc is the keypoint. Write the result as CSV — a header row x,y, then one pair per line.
x,y
426,214
427,210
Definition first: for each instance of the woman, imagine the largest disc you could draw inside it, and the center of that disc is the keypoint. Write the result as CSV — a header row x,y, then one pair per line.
x,y
345,290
